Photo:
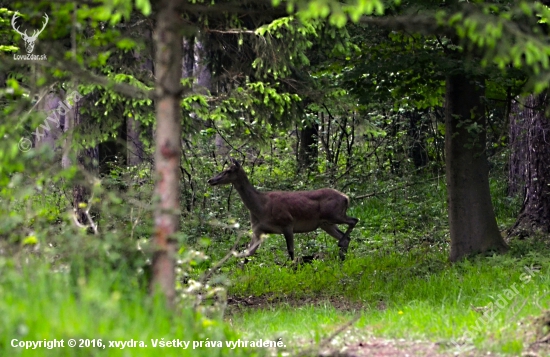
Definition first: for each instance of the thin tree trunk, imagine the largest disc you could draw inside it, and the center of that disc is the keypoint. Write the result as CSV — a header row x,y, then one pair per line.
x,y
417,133
168,38
530,163
472,221
134,146
135,152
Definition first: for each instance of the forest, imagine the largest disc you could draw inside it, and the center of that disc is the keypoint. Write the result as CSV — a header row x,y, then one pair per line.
x,y
275,178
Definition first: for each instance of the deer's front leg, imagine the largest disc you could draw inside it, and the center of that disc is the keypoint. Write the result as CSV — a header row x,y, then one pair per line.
x,y
255,242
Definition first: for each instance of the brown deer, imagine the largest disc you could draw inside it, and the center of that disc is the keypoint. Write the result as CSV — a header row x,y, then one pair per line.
x,y
289,212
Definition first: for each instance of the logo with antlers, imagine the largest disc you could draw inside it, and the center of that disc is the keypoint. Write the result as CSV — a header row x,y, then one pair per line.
x,y
29,40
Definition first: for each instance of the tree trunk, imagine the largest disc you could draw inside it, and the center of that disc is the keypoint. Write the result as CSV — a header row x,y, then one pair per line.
x,y
135,152
87,160
417,133
530,163
472,221
308,152
134,146
51,129
519,150
168,70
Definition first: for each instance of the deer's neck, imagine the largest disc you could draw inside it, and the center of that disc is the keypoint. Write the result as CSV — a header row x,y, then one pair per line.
x,y
252,199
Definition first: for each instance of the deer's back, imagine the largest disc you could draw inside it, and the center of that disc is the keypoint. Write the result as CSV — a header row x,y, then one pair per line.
x,y
309,207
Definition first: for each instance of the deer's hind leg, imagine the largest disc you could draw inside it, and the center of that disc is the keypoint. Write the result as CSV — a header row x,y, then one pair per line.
x,y
289,237
343,240
351,222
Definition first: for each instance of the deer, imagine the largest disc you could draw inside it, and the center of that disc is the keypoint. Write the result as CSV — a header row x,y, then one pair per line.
x,y
289,212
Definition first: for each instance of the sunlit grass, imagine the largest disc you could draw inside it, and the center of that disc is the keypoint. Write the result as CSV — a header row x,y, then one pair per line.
x,y
403,296
38,304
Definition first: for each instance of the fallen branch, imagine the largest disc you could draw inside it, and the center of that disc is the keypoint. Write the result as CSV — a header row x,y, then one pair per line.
x,y
393,189
314,350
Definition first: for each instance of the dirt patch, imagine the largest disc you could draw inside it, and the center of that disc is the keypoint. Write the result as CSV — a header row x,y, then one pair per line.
x,y
236,303
380,347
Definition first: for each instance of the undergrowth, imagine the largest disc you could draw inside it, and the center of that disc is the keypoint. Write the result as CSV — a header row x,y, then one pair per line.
x,y
94,310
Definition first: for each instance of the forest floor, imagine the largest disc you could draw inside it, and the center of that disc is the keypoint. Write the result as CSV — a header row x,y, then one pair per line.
x,y
406,303
350,341
397,286
379,347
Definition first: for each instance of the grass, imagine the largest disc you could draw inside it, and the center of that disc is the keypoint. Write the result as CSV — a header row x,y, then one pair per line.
x,y
397,276
38,304
401,296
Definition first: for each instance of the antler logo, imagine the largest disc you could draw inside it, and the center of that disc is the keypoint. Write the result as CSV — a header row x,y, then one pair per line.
x,y
29,40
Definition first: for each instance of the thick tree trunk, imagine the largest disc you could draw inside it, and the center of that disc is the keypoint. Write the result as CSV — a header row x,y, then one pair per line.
x,y
307,154
472,221
519,150
168,39
530,163
188,61
202,72
51,129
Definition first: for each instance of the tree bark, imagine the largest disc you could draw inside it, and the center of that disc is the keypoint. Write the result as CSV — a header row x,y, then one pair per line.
x,y
308,152
135,152
88,160
168,69
50,131
530,163
135,148
417,133
472,221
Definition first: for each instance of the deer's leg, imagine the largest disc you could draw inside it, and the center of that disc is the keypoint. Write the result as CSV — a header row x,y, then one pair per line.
x,y
289,237
343,241
255,242
351,222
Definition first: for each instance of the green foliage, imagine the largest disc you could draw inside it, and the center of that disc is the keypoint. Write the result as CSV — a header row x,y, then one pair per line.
x,y
375,91
337,13
40,304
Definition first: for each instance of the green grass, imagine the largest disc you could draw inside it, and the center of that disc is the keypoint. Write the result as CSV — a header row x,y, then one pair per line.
x,y
413,296
38,304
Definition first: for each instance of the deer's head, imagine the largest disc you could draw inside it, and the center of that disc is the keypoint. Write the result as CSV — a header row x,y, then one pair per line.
x,y
29,40
227,176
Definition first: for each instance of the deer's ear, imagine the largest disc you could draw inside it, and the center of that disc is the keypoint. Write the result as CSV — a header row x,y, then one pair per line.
x,y
235,162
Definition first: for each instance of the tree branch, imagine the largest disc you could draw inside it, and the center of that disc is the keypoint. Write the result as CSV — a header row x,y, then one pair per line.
x,y
89,77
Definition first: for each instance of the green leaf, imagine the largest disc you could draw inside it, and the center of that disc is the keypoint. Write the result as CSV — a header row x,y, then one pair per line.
x,y
126,44
30,240
144,6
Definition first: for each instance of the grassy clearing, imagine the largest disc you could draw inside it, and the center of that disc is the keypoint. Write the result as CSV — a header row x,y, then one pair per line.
x,y
413,296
